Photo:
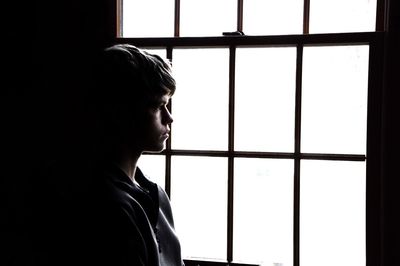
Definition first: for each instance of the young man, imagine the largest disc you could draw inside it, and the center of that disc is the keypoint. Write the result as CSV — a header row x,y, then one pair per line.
x,y
132,219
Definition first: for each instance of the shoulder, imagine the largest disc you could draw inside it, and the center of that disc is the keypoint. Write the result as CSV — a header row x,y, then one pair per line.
x,y
124,221
118,195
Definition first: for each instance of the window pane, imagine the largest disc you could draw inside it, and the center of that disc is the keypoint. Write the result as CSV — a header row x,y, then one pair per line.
x,y
334,108
153,167
342,16
263,214
265,99
262,17
199,200
200,104
332,213
150,18
207,17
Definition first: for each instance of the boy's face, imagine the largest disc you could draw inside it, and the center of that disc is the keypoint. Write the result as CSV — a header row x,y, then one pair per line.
x,y
154,126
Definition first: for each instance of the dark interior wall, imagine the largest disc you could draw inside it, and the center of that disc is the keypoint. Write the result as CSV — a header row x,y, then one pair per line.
x,y
68,34
48,48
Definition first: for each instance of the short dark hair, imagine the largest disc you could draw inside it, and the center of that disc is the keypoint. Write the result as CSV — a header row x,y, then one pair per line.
x,y
126,74
125,81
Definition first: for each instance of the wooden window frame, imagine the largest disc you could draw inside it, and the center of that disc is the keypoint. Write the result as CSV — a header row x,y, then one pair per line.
x,y
375,40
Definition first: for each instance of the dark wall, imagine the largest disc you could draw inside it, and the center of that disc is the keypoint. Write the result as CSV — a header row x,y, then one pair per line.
x,y
67,36
48,48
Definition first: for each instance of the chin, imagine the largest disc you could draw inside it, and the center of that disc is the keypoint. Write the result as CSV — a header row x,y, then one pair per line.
x,y
156,149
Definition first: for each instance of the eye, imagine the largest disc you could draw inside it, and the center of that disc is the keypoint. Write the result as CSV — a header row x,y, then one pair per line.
x,y
157,105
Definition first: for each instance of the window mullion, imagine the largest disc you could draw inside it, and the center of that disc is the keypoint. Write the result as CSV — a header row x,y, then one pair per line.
x,y
240,16
177,17
381,20
168,146
296,196
232,59
306,17
119,18
374,192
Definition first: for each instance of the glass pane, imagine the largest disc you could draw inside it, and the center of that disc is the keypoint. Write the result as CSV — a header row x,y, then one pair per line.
x,y
262,17
207,17
334,108
332,213
153,167
150,18
199,200
200,104
265,99
263,211
342,16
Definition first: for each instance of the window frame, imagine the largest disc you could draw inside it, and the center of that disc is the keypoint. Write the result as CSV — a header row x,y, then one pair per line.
x,y
375,40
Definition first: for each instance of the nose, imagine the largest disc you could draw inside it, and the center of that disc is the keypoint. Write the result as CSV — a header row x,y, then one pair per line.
x,y
168,119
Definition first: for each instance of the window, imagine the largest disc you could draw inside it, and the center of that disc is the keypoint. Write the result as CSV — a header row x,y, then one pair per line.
x,y
273,144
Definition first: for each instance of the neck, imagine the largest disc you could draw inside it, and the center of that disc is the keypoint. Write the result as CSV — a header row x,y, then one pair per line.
x,y
128,164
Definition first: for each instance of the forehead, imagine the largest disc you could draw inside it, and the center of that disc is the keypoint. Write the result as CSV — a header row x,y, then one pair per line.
x,y
156,100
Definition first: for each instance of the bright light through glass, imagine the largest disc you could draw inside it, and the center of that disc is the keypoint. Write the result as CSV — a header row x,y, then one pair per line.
x,y
263,214
153,167
332,213
342,16
265,99
199,200
262,17
149,18
200,103
334,108
207,17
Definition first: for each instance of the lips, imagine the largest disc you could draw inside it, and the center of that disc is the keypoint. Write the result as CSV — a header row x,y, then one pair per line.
x,y
165,135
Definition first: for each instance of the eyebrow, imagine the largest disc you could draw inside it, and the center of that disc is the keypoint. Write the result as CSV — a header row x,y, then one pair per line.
x,y
162,100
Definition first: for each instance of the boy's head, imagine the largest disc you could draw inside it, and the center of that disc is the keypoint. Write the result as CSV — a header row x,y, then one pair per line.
x,y
131,92
130,75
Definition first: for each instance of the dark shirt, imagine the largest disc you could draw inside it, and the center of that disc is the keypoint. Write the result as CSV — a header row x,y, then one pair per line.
x,y
152,212
96,215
